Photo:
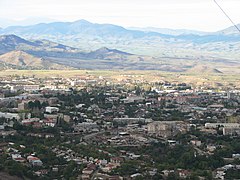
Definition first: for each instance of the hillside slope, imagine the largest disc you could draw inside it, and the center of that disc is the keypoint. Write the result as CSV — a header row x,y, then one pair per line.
x,y
23,60
203,69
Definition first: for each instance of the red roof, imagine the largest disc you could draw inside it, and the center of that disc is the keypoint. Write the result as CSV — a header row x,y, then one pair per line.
x,y
32,158
19,159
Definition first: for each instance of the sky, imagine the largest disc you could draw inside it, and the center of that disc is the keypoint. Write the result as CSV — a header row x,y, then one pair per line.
x,y
201,15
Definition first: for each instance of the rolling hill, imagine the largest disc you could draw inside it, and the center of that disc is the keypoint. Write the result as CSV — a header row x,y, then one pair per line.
x,y
23,60
19,53
105,53
203,69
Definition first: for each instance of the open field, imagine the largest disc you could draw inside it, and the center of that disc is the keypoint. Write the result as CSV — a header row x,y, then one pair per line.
x,y
212,79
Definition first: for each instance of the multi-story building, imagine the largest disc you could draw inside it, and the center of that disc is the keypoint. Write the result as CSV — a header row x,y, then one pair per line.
x,y
231,131
166,128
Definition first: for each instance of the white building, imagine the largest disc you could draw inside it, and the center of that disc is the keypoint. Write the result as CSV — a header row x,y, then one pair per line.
x,y
227,125
86,126
231,131
32,87
51,110
132,120
10,115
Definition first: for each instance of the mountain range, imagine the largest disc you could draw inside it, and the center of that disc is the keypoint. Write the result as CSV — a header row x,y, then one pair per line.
x,y
86,45
89,36
174,32
19,53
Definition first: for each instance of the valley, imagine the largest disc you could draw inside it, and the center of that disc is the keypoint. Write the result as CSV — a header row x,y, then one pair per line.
x,y
85,45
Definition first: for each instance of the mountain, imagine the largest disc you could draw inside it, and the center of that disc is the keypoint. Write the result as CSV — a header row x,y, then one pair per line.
x,y
13,42
94,30
115,55
232,30
19,53
25,22
72,28
106,53
45,48
23,60
174,32
164,43
44,54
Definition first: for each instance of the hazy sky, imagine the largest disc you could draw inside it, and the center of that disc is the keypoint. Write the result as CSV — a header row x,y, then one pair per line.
x,y
178,14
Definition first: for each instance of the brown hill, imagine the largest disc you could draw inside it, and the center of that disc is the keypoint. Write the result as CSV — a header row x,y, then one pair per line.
x,y
114,54
23,60
202,69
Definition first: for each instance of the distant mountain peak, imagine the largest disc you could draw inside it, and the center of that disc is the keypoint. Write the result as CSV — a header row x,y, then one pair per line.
x,y
11,37
232,30
82,21
105,50
12,42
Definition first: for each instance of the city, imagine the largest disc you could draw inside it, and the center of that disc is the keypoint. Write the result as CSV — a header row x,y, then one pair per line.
x,y
119,90
96,126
